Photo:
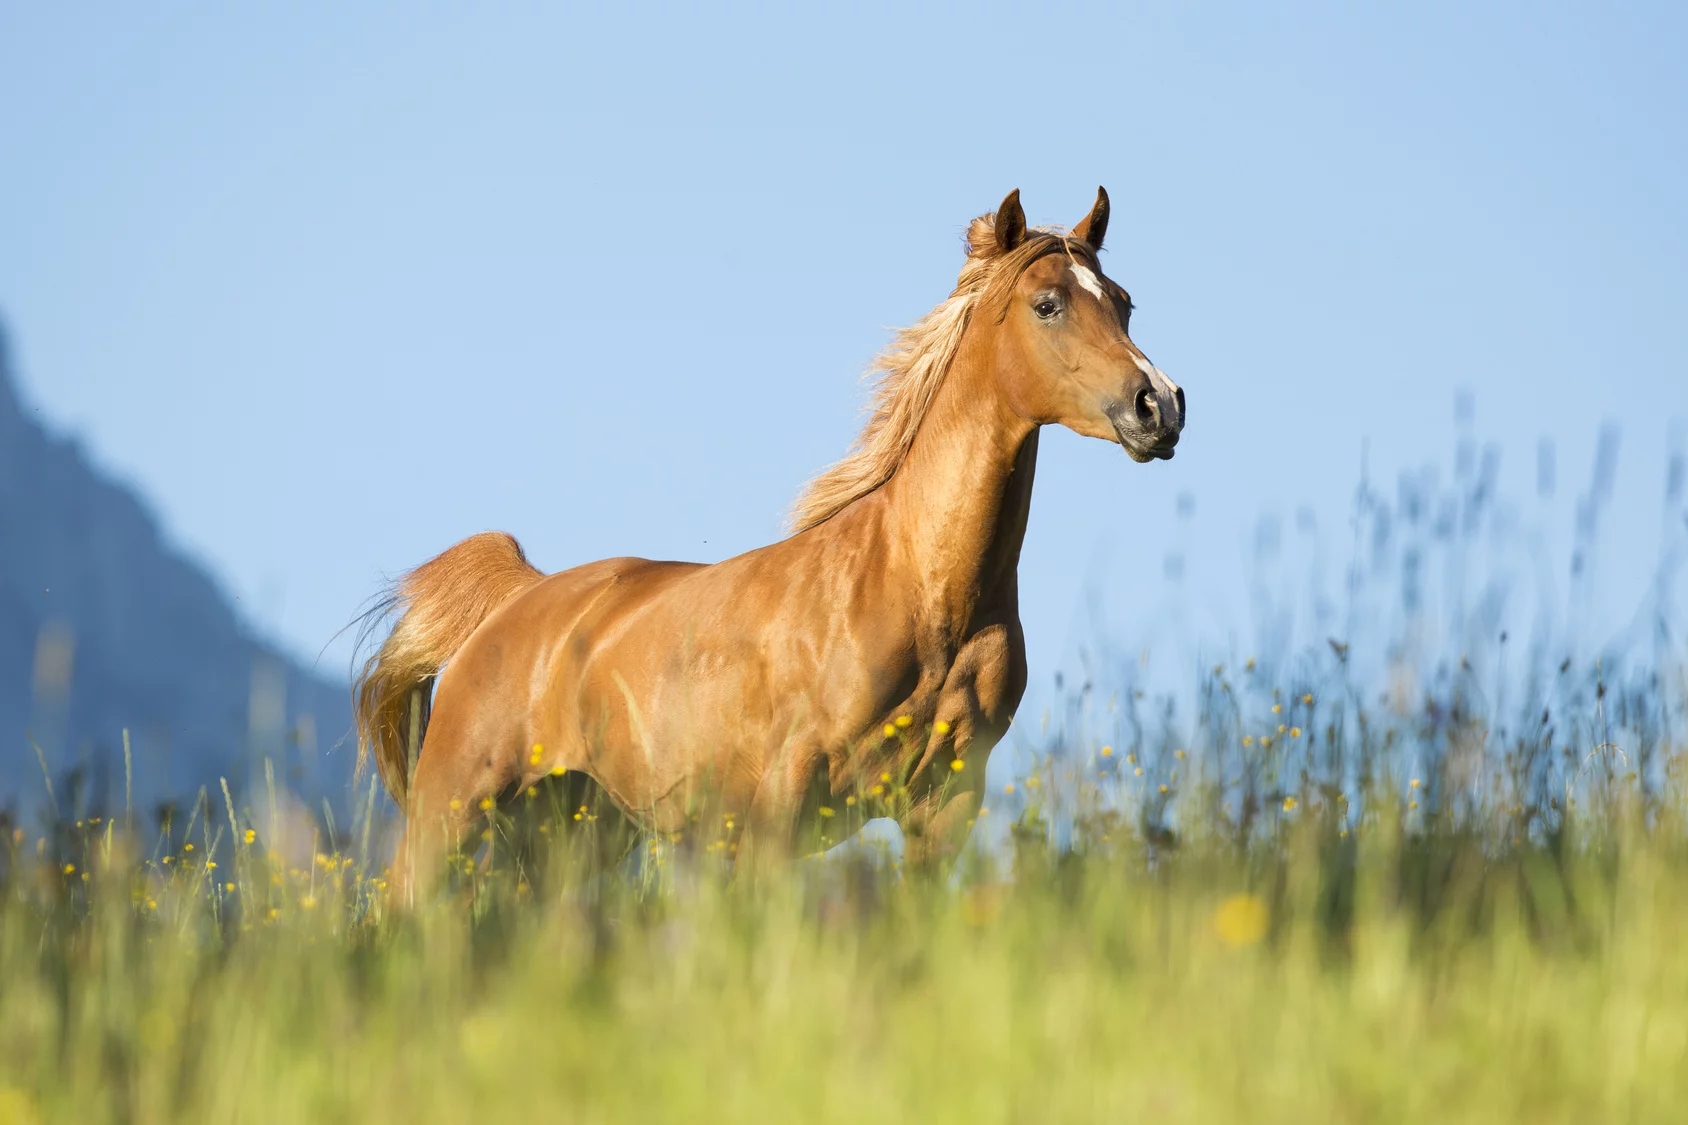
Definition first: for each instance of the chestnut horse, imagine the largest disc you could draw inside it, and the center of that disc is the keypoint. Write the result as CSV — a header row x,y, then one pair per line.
x,y
881,638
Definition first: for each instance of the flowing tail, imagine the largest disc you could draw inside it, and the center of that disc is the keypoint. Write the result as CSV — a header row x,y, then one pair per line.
x,y
442,601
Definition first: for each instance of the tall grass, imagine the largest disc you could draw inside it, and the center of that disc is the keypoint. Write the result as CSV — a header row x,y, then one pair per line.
x,y
1391,872
1344,960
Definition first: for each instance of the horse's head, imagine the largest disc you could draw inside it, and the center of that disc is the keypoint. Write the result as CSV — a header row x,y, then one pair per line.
x,y
1063,350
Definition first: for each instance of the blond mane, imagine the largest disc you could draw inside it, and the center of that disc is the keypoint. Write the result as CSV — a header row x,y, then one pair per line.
x,y
905,377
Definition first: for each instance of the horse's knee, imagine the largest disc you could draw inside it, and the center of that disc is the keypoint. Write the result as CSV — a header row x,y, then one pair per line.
x,y
934,833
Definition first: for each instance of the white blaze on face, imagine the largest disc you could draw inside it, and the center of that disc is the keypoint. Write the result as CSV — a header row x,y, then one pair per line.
x,y
1166,391
1089,282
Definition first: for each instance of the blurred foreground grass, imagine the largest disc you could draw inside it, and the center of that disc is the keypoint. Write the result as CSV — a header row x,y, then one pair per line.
x,y
1331,952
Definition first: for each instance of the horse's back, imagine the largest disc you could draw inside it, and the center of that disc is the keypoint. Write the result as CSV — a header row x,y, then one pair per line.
x,y
504,666
572,607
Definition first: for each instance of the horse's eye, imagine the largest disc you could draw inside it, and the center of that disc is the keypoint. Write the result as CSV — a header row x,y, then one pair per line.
x,y
1046,308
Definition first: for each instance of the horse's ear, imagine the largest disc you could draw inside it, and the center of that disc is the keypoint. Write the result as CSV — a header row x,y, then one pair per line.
x,y
1010,223
1094,226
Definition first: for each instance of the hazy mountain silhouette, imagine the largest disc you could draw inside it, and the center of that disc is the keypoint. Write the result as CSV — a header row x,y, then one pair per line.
x,y
105,627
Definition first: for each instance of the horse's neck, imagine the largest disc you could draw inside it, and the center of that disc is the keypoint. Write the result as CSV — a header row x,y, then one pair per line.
x,y
958,504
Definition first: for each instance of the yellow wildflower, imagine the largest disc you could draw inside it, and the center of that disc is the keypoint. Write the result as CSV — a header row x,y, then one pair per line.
x,y
1290,803
486,804
941,727
958,765
251,835
1307,699
1241,920
1295,732
905,721
1277,708
1248,740
1009,788
70,869
558,771
825,811
890,731
1107,751
456,804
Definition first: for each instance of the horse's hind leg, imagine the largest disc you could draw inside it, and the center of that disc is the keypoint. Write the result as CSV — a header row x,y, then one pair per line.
x,y
788,797
454,784
432,832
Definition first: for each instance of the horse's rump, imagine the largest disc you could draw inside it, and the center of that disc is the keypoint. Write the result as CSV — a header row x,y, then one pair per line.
x,y
440,603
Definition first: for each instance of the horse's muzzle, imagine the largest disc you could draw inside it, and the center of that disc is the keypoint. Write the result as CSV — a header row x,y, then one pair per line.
x,y
1147,426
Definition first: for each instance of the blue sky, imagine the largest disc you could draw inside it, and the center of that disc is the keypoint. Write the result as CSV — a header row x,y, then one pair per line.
x,y
337,288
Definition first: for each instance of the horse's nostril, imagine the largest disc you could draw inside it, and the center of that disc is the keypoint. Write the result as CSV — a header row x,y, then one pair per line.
x,y
1147,407
1181,414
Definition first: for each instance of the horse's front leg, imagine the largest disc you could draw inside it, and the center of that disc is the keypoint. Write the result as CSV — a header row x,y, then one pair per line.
x,y
974,709
936,826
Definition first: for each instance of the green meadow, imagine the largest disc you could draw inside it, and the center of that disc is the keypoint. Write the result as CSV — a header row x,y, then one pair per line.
x,y
1301,909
